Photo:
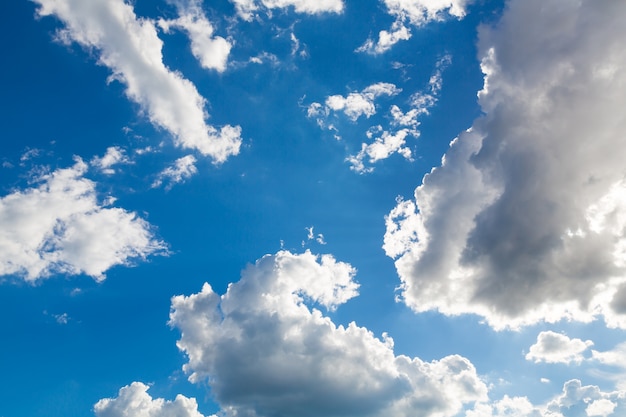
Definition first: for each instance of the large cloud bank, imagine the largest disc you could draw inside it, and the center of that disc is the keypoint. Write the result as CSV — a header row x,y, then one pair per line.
x,y
265,352
525,220
130,47
61,227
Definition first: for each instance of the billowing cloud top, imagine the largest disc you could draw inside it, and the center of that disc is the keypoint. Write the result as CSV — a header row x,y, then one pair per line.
x,y
264,352
131,49
525,219
60,227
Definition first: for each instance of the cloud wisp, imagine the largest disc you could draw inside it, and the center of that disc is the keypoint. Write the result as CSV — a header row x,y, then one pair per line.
x,y
415,13
130,47
61,227
525,219
247,9
265,351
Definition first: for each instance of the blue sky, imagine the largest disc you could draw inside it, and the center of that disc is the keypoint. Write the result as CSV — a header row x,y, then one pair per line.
x,y
301,207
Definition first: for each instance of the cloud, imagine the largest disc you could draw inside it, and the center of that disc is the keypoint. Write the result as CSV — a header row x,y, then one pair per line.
x,y
416,13
355,104
114,155
554,347
524,220
60,227
247,8
264,351
182,170
576,400
393,140
212,51
130,48
134,400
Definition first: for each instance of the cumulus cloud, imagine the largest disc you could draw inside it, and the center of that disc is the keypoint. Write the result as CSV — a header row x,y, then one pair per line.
x,y
554,347
210,50
114,155
266,350
130,47
525,218
412,12
182,169
246,8
576,400
355,104
61,227
134,400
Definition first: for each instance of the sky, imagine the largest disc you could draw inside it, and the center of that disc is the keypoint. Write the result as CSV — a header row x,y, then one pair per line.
x,y
303,208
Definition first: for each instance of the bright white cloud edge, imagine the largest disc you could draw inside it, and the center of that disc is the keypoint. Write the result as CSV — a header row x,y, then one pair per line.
x,y
60,227
130,47
525,219
264,351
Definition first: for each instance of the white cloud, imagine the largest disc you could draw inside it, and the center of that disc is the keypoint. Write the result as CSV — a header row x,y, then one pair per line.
x,y
134,400
60,227
182,170
114,155
356,104
524,220
393,141
576,400
413,12
130,47
212,51
247,8
554,347
613,357
265,351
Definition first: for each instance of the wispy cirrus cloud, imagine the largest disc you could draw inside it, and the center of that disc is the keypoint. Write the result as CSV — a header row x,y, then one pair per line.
x,y
130,47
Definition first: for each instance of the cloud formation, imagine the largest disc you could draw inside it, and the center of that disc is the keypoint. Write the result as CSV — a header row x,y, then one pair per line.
x,y
182,169
247,8
60,227
134,400
576,400
264,351
211,51
354,105
525,219
554,347
114,155
412,12
130,47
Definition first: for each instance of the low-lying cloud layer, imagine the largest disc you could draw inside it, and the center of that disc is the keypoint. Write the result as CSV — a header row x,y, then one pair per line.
x,y
526,218
61,227
264,351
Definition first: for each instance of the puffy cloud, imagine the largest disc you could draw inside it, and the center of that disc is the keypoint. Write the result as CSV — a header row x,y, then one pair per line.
x,y
576,400
413,12
554,347
247,8
524,220
114,155
382,147
182,170
131,48
60,227
212,51
134,400
355,104
264,351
